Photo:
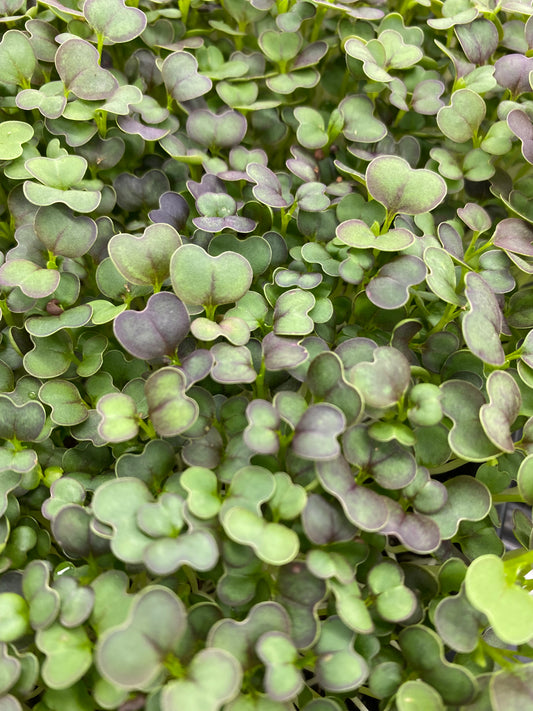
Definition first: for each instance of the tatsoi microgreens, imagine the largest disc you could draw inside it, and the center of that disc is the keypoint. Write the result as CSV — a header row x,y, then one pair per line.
x,y
266,355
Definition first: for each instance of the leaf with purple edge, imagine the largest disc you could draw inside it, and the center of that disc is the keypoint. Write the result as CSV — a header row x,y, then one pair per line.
x,y
512,72
155,331
62,233
339,668
114,21
17,59
390,464
400,188
232,328
291,313
482,324
267,188
171,410
216,130
461,402
501,411
383,381
232,364
468,500
356,233
327,382
479,40
283,680
181,77
520,124
316,434
173,210
77,63
461,120
360,123
263,420
30,278
119,419
199,278
282,353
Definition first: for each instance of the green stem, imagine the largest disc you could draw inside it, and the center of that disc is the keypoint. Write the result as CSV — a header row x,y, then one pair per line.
x,y
261,391
210,310
100,46
317,23
502,498
448,315
147,428
184,7
6,313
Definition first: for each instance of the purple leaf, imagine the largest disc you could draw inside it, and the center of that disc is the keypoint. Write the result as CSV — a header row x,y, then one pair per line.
x,y
173,210
155,331
520,124
180,74
512,72
282,353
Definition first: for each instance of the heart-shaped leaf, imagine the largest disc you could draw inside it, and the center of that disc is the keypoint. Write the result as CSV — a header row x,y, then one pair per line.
x,y
461,120
25,422
199,278
145,259
12,135
482,324
17,59
356,233
214,677
31,279
64,234
171,410
283,680
508,607
383,381
114,21
180,74
501,411
216,130
68,655
131,655
316,434
273,543
77,64
400,188
155,331
119,418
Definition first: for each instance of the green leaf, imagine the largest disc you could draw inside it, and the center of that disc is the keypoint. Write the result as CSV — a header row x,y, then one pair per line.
x,y
461,120
17,59
12,135
114,20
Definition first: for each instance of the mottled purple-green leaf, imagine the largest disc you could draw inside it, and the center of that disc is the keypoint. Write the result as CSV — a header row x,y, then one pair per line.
x,y
316,434
390,464
77,65
132,125
25,422
198,278
461,402
426,97
479,40
311,197
145,259
216,130
260,435
291,313
143,192
155,331
131,655
171,410
511,691
49,99
520,124
232,364
62,233
181,77
515,236
498,415
475,217
400,188
389,289
482,324
282,353
115,21
512,72
173,210
323,523
327,381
